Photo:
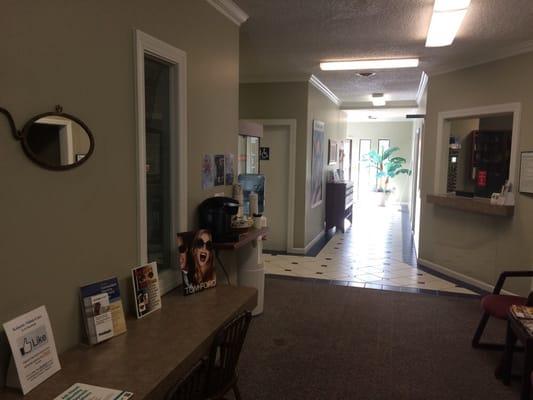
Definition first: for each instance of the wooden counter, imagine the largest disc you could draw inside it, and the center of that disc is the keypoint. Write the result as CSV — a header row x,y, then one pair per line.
x,y
244,239
155,351
475,205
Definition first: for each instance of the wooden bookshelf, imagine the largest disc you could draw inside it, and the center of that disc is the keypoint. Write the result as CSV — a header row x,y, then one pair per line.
x,y
475,205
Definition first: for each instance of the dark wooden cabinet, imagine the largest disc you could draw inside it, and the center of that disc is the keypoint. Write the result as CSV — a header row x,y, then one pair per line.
x,y
491,157
339,204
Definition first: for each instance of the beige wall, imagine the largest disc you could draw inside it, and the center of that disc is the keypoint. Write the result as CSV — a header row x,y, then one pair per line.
x,y
320,108
400,134
302,102
476,245
282,100
63,229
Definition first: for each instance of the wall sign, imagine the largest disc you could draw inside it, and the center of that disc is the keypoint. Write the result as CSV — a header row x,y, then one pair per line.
x,y
264,153
526,172
33,348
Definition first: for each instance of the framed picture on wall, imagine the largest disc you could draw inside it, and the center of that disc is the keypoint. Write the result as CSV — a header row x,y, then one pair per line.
x,y
333,154
525,184
317,163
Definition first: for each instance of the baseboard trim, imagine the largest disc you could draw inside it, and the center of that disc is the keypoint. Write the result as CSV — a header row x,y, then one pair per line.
x,y
304,250
457,275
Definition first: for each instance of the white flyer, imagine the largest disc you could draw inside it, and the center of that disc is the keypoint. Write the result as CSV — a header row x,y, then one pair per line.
x,y
81,391
33,348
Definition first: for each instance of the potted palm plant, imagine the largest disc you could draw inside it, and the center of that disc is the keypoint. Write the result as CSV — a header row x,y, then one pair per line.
x,y
387,167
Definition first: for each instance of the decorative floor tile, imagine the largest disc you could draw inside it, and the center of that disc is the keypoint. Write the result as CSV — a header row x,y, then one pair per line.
x,y
375,253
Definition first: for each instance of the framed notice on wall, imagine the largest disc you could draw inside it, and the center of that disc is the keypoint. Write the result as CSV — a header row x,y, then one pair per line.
x,y
526,172
317,163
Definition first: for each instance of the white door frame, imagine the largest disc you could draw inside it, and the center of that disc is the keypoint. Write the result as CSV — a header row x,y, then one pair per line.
x,y
145,44
66,141
443,134
291,123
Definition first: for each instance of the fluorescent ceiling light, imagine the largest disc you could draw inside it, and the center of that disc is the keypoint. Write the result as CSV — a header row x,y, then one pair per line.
x,y
369,64
446,21
378,99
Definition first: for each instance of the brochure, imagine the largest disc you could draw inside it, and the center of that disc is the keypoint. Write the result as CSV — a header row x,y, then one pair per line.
x,y
33,348
81,391
98,318
146,289
111,288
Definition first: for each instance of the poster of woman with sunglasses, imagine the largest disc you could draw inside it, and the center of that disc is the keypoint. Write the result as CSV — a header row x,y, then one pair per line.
x,y
196,260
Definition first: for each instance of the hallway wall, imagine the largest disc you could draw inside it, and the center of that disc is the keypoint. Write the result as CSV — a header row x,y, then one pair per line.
x,y
476,245
282,100
321,108
303,102
400,134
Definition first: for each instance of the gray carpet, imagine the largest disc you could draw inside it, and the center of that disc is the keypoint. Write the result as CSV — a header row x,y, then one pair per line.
x,y
317,341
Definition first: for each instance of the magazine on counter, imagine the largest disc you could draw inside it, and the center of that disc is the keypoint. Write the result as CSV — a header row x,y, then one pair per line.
x,y
522,312
82,391
103,313
146,289
196,260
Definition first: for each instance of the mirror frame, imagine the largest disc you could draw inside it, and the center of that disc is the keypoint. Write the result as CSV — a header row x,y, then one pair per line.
x,y
34,157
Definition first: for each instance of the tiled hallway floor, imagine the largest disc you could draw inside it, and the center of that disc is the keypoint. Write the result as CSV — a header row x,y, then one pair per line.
x,y
376,252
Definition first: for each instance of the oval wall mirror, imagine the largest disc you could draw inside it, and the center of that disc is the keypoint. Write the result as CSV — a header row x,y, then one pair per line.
x,y
57,140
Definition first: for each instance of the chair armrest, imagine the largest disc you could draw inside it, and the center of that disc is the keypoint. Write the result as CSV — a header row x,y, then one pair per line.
x,y
510,274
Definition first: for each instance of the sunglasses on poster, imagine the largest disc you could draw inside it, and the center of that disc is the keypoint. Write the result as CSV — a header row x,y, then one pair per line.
x,y
199,243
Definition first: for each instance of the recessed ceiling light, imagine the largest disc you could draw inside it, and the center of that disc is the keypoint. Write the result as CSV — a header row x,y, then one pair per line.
x,y
365,74
378,99
446,21
369,64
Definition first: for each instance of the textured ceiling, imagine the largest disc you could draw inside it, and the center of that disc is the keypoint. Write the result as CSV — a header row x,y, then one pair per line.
x,y
287,39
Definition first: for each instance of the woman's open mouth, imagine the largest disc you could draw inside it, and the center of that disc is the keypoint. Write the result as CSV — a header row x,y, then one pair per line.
x,y
203,256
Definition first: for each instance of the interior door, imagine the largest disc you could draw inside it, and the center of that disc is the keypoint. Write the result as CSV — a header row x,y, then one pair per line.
x,y
276,171
364,177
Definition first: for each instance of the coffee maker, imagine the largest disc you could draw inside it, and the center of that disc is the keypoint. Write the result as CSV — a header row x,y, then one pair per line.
x,y
215,214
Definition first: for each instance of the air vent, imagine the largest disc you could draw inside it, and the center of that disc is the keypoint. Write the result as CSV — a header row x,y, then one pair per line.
x,y
365,74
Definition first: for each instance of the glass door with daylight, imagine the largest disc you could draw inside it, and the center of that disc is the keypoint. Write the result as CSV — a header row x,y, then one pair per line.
x,y
365,181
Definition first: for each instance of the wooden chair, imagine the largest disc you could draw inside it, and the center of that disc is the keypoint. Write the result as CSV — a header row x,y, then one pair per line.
x,y
497,305
224,356
192,386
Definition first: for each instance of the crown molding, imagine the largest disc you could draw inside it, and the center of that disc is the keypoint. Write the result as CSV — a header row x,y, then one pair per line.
x,y
274,78
421,87
495,55
367,105
313,80
230,10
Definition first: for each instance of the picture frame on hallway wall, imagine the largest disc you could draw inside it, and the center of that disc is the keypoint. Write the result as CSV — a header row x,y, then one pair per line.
x,y
525,183
317,163
333,153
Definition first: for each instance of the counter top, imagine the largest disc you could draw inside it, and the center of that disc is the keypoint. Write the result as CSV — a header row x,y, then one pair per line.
x,y
155,351
477,205
244,238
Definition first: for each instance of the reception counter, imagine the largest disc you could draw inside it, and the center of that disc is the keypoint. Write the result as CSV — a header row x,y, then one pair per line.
x,y
474,205
155,351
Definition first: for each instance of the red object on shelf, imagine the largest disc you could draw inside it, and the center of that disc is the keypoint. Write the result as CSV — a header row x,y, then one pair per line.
x,y
481,180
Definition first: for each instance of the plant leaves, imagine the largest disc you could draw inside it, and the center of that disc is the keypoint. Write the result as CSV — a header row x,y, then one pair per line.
x,y
400,160
387,153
